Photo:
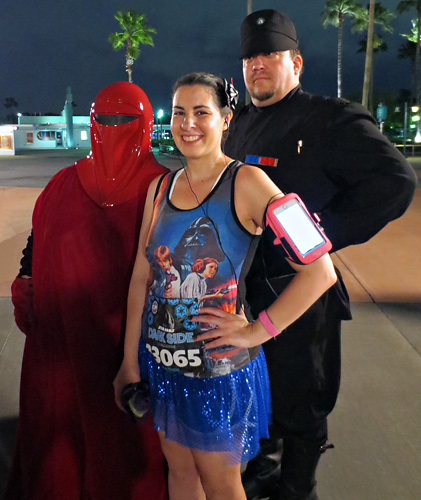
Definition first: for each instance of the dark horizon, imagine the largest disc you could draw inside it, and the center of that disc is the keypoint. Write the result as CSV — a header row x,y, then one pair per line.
x,y
49,48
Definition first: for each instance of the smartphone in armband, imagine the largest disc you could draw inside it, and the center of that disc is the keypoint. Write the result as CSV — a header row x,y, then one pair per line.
x,y
296,230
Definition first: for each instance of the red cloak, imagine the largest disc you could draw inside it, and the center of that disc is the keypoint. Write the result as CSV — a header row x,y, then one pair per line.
x,y
73,441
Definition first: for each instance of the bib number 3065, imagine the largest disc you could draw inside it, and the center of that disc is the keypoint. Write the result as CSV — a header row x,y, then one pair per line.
x,y
182,358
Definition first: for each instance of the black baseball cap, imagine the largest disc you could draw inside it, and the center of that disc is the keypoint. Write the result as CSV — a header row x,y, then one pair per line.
x,y
267,31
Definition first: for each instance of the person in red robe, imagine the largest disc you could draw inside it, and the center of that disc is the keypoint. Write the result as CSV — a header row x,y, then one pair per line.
x,y
73,442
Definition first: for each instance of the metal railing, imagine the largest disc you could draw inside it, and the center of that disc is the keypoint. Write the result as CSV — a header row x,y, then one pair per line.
x,y
409,149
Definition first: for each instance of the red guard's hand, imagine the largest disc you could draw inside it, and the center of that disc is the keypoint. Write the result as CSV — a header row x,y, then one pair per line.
x,y
22,299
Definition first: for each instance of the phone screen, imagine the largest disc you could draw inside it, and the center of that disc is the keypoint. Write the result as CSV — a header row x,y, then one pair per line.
x,y
299,227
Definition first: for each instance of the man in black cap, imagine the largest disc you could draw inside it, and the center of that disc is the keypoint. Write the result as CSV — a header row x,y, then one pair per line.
x,y
332,154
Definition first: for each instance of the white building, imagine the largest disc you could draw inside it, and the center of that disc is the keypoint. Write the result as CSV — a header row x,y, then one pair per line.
x,y
55,132
46,132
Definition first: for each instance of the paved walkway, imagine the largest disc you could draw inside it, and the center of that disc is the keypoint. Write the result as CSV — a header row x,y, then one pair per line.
x,y
375,425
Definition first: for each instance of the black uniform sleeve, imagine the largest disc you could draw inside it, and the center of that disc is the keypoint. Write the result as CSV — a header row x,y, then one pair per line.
x,y
26,261
376,183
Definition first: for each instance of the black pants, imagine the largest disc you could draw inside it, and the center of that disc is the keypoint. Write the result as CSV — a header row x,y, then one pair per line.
x,y
304,365
304,371
304,361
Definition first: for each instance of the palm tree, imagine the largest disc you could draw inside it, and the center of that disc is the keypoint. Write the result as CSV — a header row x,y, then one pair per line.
x,y
383,17
249,11
10,102
402,7
379,45
375,14
408,51
135,32
334,13
368,68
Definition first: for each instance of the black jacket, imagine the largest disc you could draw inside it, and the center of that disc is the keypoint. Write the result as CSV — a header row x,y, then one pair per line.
x,y
331,153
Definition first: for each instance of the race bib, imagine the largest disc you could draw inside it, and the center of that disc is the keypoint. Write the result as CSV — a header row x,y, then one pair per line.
x,y
170,336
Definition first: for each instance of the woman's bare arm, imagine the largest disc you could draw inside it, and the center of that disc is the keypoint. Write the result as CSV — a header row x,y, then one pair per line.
x,y
253,191
139,285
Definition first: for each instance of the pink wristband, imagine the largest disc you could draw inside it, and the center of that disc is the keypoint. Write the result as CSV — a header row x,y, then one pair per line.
x,y
267,323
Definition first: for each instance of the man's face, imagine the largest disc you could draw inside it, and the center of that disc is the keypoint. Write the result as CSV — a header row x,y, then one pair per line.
x,y
270,77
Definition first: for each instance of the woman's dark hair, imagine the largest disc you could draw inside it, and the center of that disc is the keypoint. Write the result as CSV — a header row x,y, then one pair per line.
x,y
223,94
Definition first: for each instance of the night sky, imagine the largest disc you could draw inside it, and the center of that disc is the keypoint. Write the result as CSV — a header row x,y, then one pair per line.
x,y
50,45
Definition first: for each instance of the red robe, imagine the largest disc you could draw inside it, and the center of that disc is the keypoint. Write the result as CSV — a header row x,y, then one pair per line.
x,y
73,442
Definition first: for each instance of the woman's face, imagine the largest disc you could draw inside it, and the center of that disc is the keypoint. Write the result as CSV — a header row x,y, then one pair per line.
x,y
210,270
196,122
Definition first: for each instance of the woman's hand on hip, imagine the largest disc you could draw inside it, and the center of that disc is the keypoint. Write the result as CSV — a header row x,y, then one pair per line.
x,y
229,329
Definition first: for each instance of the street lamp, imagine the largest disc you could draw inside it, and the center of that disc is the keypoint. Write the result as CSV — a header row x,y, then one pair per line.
x,y
160,115
19,115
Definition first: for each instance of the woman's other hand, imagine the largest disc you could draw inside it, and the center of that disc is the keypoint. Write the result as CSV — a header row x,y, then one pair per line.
x,y
126,375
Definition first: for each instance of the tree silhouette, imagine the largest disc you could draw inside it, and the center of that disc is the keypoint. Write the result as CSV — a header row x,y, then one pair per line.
x,y
9,103
334,13
135,32
379,45
404,6
382,17
408,51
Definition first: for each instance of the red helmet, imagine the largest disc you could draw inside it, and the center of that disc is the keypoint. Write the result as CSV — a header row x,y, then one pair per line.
x,y
121,129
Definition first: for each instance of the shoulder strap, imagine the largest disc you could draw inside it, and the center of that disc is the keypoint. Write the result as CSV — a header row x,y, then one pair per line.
x,y
159,194
236,164
158,186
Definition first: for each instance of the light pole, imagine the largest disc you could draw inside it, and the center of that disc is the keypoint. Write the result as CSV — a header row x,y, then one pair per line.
x,y
416,118
405,125
19,115
160,115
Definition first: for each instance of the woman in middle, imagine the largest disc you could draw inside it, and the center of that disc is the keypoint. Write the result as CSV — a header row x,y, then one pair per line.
x,y
207,373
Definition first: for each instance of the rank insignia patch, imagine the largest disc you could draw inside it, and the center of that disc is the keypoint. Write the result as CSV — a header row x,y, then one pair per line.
x,y
261,160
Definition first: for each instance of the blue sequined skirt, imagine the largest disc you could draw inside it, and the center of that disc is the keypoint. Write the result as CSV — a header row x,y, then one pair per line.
x,y
223,414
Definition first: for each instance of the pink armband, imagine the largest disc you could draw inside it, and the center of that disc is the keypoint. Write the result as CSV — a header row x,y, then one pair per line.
x,y
267,323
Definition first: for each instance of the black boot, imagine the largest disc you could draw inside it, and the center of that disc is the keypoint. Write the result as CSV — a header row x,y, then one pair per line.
x,y
264,470
298,470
